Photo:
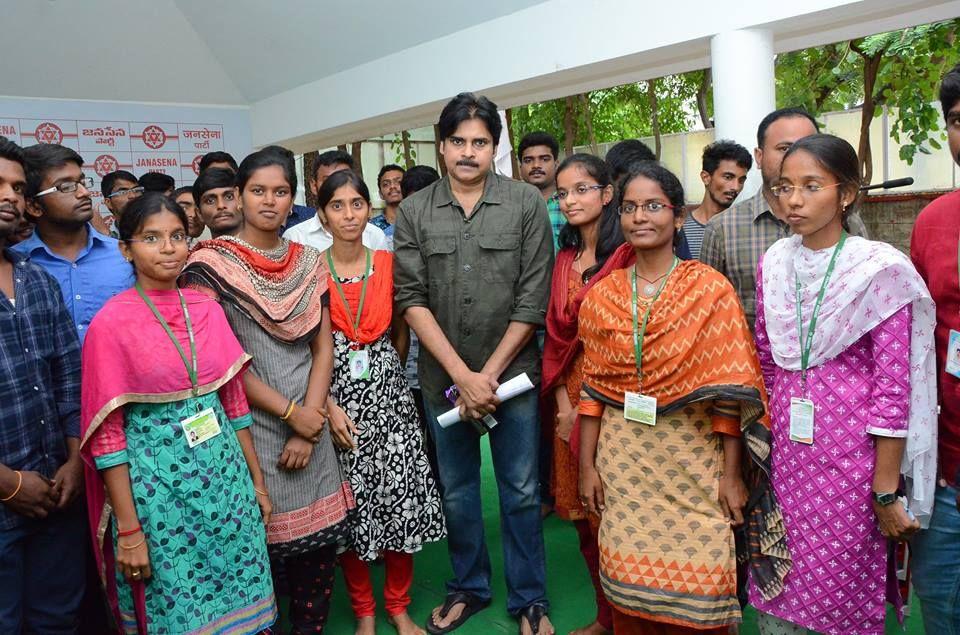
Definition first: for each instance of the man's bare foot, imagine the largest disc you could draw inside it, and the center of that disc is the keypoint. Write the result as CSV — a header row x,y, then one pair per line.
x,y
405,625
592,629
452,615
367,626
546,628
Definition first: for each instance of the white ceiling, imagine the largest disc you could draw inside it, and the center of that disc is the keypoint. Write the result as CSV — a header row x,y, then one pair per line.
x,y
233,52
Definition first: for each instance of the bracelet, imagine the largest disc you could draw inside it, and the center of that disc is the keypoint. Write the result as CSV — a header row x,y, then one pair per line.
x,y
260,491
16,491
133,546
289,411
129,532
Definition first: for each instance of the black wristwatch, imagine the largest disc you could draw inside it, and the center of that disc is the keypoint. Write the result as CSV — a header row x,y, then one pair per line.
x,y
887,498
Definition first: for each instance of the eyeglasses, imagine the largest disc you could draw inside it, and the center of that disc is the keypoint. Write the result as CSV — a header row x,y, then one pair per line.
x,y
156,242
581,190
651,207
67,187
806,190
132,190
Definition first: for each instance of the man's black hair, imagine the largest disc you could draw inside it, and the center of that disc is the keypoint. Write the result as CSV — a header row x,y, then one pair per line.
x,y
417,178
782,113
950,89
467,106
725,150
538,138
157,182
218,157
626,153
390,167
43,157
333,157
186,189
212,179
110,180
12,152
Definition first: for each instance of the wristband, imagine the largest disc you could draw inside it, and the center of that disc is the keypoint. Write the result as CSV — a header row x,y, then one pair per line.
x,y
129,532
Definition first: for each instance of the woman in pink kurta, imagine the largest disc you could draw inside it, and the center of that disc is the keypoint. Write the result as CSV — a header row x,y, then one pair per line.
x,y
868,370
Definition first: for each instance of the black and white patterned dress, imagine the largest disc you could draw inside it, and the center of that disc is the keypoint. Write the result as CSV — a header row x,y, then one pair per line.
x,y
398,506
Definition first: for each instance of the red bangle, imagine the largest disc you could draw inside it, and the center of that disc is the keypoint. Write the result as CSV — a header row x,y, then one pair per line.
x,y
129,532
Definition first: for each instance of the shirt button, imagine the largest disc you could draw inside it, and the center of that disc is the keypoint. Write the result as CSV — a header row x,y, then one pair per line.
x,y
467,236
76,297
37,388
74,265
467,332
467,268
80,326
26,350
468,300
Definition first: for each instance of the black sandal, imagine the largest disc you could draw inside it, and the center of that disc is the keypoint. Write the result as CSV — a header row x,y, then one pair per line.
x,y
471,605
533,614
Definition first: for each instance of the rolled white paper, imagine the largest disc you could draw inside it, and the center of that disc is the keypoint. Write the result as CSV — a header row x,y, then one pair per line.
x,y
507,390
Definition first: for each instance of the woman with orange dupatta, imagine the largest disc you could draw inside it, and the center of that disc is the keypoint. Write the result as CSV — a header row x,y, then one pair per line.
x,y
672,393
373,417
591,246
173,481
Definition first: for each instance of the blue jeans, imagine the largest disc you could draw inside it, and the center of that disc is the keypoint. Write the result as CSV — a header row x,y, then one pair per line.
x,y
514,444
42,574
936,566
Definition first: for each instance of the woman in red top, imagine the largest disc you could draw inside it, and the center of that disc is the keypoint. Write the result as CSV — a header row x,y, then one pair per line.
x,y
373,417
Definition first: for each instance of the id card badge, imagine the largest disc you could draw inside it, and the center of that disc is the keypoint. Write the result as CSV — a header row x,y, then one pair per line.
x,y
359,362
640,408
201,427
801,420
953,353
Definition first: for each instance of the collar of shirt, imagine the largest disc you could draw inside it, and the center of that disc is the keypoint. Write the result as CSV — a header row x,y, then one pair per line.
x,y
94,239
491,191
759,206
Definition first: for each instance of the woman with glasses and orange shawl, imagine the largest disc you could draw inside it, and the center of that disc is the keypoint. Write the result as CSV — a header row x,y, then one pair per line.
x,y
591,246
672,394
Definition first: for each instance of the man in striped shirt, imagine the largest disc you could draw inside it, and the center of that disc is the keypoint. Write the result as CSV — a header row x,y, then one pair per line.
x,y
724,171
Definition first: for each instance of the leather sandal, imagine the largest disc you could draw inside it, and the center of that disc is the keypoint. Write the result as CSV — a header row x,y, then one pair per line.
x,y
533,614
471,605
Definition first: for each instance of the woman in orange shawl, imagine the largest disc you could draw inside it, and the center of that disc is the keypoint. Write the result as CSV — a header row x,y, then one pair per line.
x,y
591,246
671,385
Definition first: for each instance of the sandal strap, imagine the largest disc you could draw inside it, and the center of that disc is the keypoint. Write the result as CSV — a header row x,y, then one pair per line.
x,y
533,614
458,597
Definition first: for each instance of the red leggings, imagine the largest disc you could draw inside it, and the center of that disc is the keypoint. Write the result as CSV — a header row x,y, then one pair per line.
x,y
587,533
396,587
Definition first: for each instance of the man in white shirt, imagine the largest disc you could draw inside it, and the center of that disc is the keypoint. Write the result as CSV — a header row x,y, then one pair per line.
x,y
312,232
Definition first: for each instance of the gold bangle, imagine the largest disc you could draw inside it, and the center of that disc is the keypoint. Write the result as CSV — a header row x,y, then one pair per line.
x,y
143,540
16,491
260,491
289,411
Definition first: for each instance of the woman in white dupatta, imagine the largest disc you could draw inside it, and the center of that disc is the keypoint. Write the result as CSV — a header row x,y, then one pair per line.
x,y
845,339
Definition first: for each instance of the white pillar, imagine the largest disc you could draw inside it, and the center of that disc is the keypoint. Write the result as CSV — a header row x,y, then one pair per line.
x,y
743,89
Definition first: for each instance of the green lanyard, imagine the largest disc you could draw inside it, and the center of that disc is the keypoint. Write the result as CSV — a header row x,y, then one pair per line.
x,y
191,364
363,289
640,330
807,345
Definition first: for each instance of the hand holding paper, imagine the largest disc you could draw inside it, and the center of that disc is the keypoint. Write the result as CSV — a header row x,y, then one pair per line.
x,y
507,390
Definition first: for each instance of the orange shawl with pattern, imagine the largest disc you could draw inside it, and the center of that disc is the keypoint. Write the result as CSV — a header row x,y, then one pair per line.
x,y
696,347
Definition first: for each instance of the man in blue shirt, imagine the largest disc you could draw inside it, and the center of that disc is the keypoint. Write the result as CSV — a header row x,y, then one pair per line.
x,y
388,182
43,540
87,265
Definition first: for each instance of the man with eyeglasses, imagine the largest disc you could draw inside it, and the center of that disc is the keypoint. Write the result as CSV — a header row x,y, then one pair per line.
x,y
736,238
215,193
388,182
119,189
87,264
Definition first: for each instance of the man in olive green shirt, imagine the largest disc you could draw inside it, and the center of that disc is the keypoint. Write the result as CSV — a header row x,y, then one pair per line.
x,y
473,260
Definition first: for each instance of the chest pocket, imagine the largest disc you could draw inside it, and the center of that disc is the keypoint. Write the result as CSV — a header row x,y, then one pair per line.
x,y
439,252
500,256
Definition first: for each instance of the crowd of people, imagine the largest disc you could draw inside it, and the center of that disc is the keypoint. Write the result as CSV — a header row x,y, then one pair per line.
x,y
213,397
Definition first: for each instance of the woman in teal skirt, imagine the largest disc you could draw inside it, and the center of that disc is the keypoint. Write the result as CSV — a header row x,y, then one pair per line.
x,y
176,495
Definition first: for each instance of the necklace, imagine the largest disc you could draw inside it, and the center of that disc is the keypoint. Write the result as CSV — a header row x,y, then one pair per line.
x,y
651,286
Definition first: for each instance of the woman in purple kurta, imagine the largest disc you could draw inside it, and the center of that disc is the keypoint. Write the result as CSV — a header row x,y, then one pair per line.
x,y
868,370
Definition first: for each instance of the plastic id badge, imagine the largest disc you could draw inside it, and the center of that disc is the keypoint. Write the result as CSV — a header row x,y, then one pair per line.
x,y
953,353
201,427
640,408
359,362
801,420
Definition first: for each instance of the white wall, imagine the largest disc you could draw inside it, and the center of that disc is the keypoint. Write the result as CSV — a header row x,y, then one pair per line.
x,y
110,135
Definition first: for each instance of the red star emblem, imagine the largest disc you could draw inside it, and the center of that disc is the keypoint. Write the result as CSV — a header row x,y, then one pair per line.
x,y
105,164
154,137
196,164
49,133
